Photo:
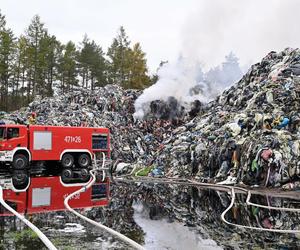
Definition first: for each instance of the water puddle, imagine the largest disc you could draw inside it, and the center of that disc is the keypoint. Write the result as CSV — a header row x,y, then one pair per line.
x,y
164,234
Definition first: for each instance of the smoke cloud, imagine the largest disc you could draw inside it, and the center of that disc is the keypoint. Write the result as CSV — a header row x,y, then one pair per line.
x,y
176,80
250,29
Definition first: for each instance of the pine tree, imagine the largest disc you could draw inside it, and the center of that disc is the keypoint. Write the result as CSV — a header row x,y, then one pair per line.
x,y
68,66
119,54
98,67
34,35
92,64
7,54
83,61
48,57
31,64
127,66
138,78
2,21
18,72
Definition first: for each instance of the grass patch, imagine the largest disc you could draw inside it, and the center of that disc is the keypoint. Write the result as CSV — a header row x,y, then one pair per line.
x,y
144,171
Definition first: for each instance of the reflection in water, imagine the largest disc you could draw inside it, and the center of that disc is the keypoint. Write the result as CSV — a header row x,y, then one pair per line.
x,y
45,194
266,218
38,200
165,234
197,209
202,208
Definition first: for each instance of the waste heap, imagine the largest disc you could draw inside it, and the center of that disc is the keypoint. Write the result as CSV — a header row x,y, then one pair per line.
x,y
110,106
165,110
249,134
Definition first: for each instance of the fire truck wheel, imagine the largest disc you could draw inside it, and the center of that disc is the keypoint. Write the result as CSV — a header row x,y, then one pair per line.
x,y
20,161
67,175
84,174
67,160
20,179
84,160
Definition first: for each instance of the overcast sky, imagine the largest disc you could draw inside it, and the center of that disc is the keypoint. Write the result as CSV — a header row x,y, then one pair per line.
x,y
155,24
203,30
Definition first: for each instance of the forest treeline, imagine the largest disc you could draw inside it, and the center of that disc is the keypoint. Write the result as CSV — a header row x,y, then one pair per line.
x,y
36,62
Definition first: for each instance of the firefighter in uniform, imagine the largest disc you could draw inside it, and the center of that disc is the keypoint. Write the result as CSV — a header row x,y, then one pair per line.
x,y
32,118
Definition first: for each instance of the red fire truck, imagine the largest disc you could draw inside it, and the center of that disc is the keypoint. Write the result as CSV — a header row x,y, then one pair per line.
x,y
73,148
45,194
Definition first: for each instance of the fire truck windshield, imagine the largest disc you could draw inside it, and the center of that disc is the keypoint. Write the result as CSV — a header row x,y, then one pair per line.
x,y
2,130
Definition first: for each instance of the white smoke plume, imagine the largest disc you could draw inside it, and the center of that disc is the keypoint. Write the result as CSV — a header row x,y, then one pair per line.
x,y
174,80
250,29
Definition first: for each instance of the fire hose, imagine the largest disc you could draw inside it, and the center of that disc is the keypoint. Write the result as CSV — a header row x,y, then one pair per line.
x,y
270,207
232,191
251,204
97,224
39,233
258,205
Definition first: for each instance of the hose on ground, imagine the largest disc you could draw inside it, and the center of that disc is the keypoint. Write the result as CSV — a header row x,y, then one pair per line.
x,y
43,237
97,224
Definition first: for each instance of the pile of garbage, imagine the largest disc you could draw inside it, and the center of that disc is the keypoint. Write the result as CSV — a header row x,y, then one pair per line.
x,y
110,106
249,134
166,110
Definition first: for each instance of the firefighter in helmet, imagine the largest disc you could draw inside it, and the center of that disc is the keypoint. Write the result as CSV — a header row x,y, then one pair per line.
x,y
32,118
